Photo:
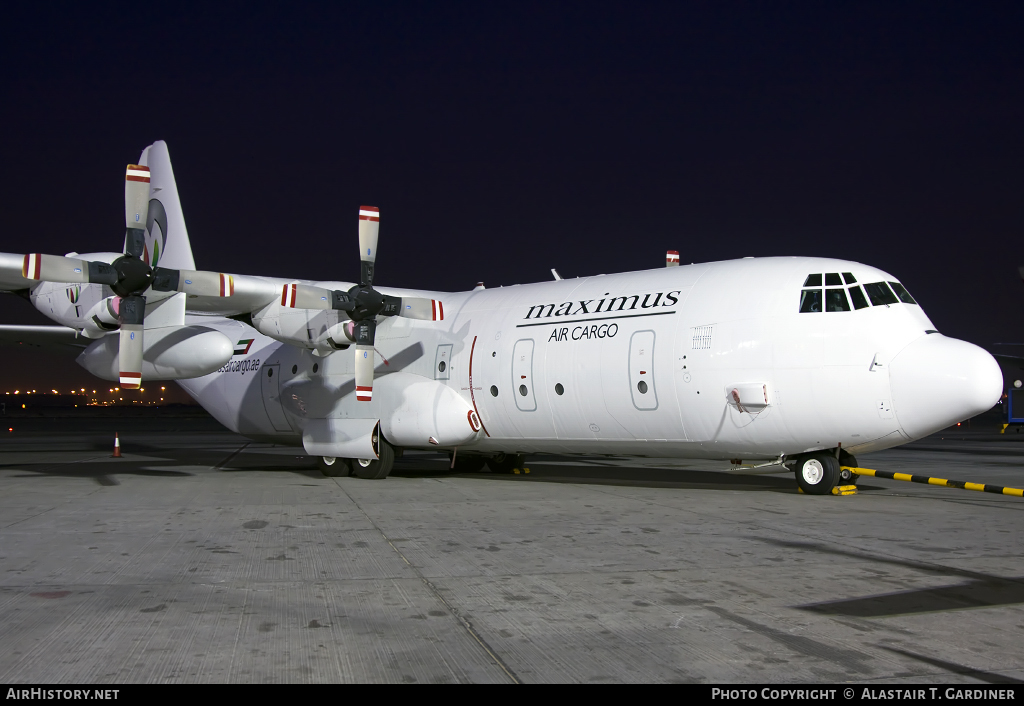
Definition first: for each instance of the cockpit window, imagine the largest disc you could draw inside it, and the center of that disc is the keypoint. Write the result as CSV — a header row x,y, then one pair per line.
x,y
902,293
857,297
880,294
810,300
832,280
850,279
812,281
835,300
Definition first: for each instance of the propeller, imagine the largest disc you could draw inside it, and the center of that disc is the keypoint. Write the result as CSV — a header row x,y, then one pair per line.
x,y
363,303
129,276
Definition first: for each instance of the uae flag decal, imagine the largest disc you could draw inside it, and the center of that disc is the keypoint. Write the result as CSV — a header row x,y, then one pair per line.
x,y
243,346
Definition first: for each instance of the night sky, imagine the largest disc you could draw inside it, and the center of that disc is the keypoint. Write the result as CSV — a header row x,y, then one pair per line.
x,y
500,141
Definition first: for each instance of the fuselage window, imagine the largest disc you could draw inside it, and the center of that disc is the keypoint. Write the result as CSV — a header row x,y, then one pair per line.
x,y
857,296
902,293
880,294
835,300
810,300
850,279
832,280
812,281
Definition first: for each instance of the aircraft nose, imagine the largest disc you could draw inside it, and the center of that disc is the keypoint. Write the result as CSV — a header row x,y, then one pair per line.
x,y
938,381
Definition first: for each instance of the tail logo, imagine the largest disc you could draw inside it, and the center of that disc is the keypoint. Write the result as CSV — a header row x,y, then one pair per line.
x,y
156,233
74,292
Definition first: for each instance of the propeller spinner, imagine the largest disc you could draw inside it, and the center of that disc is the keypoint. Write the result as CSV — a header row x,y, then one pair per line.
x,y
363,303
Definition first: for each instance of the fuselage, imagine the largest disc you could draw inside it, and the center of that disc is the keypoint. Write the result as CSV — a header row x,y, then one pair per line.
x,y
648,363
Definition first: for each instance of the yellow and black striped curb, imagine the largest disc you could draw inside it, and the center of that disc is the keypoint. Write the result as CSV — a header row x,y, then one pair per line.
x,y
963,485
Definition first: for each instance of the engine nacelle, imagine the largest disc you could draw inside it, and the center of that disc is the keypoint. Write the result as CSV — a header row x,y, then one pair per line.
x,y
169,353
101,319
299,327
419,412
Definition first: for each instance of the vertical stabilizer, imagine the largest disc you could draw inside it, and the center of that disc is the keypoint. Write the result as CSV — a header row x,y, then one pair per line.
x,y
167,243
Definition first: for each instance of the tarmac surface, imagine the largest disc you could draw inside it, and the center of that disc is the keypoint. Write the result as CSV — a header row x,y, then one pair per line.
x,y
202,557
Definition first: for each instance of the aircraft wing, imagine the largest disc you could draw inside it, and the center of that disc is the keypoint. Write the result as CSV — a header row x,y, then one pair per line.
x,y
52,337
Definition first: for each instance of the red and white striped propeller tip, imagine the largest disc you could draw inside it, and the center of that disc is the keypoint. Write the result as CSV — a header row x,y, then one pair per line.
x,y
32,265
671,257
288,295
136,172
369,213
136,196
130,381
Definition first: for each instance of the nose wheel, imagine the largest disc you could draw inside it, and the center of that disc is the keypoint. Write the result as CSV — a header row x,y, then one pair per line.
x,y
505,463
817,473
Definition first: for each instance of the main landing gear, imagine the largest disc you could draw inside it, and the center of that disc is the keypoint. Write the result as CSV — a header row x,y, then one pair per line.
x,y
819,472
499,463
368,468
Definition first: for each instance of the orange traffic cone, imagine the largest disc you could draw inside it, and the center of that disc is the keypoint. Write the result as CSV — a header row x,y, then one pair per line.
x,y
117,446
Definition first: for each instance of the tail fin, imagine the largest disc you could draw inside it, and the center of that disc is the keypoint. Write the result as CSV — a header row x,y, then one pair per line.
x,y
167,242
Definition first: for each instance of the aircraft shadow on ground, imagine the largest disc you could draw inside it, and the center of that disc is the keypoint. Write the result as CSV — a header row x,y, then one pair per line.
x,y
973,594
612,475
262,463
979,674
979,591
102,472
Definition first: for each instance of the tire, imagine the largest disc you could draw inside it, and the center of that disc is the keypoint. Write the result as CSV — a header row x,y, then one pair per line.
x,y
469,464
334,467
505,463
817,474
375,469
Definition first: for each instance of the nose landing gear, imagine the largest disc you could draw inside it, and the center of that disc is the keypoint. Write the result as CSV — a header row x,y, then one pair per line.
x,y
817,473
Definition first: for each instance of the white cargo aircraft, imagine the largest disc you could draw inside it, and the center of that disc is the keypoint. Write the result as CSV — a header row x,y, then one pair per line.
x,y
795,360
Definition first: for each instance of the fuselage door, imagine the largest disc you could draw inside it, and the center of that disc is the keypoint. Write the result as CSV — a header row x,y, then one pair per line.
x,y
270,380
522,375
641,370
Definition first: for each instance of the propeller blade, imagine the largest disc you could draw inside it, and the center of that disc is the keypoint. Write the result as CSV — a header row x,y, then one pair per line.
x,y
369,224
199,282
422,309
130,313
54,268
365,332
136,208
305,296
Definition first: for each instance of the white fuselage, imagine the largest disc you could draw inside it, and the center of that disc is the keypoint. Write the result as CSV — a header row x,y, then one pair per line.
x,y
641,363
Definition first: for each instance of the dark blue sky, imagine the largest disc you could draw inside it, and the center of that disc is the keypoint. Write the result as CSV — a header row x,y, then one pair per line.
x,y
500,140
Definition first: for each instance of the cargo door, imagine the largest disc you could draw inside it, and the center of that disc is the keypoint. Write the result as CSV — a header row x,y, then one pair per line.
x,y
270,377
